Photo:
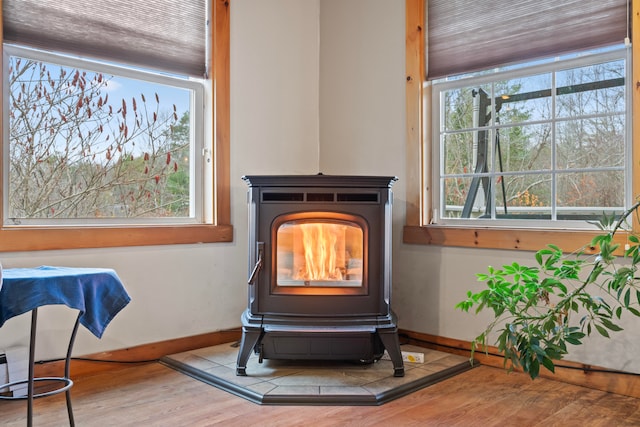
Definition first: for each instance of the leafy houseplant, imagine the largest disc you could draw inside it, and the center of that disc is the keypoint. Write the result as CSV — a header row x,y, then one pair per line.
x,y
539,310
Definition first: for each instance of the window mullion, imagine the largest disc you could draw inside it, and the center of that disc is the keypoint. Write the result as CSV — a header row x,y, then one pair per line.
x,y
554,164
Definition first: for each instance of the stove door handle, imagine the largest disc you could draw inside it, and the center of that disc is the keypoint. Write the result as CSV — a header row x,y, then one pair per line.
x,y
258,266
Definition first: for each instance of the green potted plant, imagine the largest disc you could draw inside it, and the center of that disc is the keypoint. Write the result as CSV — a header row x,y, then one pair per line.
x,y
540,310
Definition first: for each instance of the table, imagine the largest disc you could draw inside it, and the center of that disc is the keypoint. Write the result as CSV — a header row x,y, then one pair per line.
x,y
97,293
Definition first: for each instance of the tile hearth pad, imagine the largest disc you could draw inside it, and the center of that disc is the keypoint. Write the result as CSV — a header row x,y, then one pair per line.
x,y
289,382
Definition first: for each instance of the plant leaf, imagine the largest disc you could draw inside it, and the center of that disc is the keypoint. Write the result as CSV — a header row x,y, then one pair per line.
x,y
548,363
602,331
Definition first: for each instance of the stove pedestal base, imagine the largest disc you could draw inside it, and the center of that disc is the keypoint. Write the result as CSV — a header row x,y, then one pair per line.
x,y
324,339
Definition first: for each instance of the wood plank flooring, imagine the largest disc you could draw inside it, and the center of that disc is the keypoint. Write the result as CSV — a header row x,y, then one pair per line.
x,y
155,395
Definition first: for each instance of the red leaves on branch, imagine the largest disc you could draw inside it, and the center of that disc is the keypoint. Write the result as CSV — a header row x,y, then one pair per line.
x,y
87,122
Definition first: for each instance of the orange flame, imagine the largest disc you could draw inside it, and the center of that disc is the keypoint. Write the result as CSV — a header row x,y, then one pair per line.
x,y
320,241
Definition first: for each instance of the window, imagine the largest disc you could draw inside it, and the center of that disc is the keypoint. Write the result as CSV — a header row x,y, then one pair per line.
x,y
462,37
543,143
180,163
93,143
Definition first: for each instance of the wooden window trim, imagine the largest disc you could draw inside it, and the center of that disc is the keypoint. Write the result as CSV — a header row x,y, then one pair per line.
x,y
418,229
50,238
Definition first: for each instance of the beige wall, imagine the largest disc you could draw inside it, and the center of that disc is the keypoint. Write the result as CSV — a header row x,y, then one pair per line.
x,y
185,290
362,130
317,85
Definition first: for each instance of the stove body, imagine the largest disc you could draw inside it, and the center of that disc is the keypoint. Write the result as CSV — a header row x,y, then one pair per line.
x,y
319,270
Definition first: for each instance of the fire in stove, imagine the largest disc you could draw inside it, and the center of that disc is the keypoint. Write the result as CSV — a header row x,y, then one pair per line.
x,y
316,253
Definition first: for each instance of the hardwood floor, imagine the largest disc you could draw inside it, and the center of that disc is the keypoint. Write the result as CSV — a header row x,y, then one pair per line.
x,y
155,395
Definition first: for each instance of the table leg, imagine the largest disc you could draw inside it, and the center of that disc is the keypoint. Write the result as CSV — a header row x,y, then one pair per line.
x,y
67,369
32,353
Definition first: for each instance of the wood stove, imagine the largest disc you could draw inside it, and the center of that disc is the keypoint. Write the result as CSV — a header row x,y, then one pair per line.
x,y
319,270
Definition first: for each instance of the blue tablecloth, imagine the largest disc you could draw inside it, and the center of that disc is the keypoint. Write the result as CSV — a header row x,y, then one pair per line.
x,y
97,292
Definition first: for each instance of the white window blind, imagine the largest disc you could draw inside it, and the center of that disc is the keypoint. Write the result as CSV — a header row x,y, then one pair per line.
x,y
165,35
466,36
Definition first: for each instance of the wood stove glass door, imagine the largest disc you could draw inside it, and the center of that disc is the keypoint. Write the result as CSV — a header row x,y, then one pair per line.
x,y
320,253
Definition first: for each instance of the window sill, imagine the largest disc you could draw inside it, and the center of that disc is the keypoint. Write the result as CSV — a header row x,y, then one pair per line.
x,y
502,238
51,238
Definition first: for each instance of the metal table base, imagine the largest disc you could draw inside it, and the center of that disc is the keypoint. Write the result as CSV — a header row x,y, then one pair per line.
x,y
30,381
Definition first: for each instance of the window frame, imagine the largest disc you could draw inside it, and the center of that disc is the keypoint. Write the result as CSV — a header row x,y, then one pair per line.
x,y
199,148
419,228
52,237
619,53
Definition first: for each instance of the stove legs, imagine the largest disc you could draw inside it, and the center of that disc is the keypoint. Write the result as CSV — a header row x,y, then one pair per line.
x,y
250,338
391,343
306,343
